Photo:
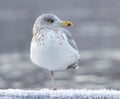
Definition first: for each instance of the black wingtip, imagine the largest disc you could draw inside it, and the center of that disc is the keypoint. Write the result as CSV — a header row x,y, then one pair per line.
x,y
73,66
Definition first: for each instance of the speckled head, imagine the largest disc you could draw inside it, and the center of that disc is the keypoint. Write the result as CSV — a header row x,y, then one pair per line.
x,y
51,20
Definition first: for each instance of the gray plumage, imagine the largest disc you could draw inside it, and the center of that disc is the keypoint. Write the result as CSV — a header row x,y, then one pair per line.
x,y
73,44
70,38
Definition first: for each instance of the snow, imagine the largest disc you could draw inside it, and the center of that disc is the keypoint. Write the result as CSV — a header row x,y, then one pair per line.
x,y
59,94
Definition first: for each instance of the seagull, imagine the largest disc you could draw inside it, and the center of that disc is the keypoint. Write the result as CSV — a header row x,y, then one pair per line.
x,y
52,46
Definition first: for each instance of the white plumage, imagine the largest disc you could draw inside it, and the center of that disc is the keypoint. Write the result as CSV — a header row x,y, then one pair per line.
x,y
53,47
55,53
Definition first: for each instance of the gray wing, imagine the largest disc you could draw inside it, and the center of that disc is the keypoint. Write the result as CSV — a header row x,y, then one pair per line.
x,y
73,44
70,38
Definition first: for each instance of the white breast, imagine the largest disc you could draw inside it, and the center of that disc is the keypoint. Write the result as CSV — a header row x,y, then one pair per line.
x,y
55,53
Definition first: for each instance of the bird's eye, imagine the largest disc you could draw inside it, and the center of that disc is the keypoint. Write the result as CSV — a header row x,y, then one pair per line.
x,y
50,20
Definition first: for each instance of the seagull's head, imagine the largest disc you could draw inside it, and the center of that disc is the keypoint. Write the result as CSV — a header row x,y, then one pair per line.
x,y
51,20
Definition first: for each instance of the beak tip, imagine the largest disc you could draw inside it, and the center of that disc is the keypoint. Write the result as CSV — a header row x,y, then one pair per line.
x,y
69,24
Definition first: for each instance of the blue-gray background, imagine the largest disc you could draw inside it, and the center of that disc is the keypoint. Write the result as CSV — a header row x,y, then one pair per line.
x,y
96,30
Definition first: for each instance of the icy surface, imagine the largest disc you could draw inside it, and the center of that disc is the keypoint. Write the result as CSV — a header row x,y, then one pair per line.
x,y
97,33
59,94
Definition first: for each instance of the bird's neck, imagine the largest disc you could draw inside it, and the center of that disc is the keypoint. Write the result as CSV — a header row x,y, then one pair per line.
x,y
48,27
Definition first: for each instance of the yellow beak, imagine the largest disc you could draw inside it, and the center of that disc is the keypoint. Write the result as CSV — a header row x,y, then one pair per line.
x,y
66,23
